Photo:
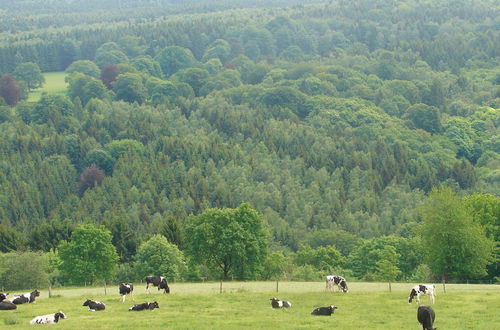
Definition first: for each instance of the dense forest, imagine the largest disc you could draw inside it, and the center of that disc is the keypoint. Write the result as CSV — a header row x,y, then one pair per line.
x,y
339,122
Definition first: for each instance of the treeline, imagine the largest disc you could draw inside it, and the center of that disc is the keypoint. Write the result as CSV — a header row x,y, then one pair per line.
x,y
334,121
445,34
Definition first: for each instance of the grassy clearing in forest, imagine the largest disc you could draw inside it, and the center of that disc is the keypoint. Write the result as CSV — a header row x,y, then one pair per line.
x,y
54,84
246,305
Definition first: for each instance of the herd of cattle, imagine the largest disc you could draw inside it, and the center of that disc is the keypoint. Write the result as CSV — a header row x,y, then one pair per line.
x,y
425,314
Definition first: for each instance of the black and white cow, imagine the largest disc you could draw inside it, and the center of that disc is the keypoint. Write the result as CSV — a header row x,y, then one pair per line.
x,y
336,280
426,317
159,281
7,305
94,305
3,296
328,311
49,318
125,289
144,306
276,303
25,298
421,290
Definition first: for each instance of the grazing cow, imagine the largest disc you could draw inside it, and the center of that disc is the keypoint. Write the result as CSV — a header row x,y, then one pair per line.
x,y
125,289
421,290
276,303
49,318
159,281
94,305
324,310
426,317
336,280
24,298
144,306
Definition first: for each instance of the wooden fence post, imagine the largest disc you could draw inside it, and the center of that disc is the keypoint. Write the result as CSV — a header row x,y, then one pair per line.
x,y
220,288
277,286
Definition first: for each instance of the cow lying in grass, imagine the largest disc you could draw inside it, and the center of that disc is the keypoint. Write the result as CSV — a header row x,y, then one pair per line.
x,y
328,311
25,298
426,317
49,318
144,306
94,305
6,305
276,303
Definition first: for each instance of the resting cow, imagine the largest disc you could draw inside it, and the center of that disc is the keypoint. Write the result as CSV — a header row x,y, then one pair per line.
x,y
276,303
324,310
421,290
159,281
125,289
94,305
49,318
144,306
6,305
335,280
25,298
426,317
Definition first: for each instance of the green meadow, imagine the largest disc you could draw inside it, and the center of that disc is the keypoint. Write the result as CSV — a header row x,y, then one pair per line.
x,y
54,84
246,305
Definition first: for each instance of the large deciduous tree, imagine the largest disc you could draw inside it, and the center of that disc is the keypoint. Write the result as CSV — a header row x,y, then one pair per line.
x,y
30,73
89,256
158,256
455,246
231,242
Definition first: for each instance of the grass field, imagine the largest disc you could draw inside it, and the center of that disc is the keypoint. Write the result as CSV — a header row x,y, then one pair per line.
x,y
246,305
54,84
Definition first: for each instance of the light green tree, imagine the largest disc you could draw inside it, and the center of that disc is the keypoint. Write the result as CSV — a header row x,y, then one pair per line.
x,y
158,256
30,73
89,255
454,245
232,242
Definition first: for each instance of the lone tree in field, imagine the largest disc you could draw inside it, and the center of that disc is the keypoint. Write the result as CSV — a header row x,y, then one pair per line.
x,y
30,73
89,256
231,242
455,246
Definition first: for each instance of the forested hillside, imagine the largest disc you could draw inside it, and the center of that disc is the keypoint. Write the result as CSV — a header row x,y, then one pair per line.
x,y
334,120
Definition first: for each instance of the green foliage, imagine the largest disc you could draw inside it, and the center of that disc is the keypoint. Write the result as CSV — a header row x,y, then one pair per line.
x,y
86,67
455,246
129,87
89,256
232,242
175,58
324,258
30,73
23,270
157,256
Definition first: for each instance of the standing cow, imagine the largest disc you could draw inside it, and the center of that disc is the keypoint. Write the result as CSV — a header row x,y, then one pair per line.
x,y
125,289
333,281
426,317
159,281
422,290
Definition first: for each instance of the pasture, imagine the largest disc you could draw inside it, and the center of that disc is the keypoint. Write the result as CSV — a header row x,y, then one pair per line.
x,y
246,305
54,84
